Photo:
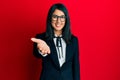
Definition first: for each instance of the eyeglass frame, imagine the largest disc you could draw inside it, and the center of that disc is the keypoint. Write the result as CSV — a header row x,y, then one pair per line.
x,y
63,16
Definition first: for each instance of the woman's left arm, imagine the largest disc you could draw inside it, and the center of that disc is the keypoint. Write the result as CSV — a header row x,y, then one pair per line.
x,y
76,63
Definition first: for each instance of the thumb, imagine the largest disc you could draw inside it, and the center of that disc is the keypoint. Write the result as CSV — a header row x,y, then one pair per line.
x,y
36,40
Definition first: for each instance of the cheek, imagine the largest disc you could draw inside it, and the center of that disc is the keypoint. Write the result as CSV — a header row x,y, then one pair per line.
x,y
63,24
53,24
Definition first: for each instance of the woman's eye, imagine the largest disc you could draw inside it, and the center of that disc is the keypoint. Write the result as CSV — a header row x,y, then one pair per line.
x,y
62,16
54,16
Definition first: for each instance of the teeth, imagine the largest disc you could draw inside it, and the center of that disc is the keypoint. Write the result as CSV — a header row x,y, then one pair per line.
x,y
57,25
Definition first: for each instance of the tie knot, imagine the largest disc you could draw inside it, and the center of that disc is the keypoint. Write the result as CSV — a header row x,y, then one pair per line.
x,y
58,37
58,45
58,41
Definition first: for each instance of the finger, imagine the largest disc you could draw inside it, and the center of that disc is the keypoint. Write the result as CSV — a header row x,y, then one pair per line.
x,y
40,48
45,52
36,40
48,50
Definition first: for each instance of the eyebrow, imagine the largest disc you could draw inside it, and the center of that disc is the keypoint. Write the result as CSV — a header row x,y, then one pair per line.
x,y
60,15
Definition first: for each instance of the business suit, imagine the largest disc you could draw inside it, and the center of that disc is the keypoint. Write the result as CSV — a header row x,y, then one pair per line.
x,y
50,64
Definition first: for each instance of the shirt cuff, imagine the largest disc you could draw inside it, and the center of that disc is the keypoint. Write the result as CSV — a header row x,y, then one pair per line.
x,y
42,54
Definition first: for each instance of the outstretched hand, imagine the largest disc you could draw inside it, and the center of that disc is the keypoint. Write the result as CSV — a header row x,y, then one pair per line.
x,y
42,46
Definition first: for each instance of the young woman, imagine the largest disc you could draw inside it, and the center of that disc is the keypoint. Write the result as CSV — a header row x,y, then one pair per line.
x,y
57,47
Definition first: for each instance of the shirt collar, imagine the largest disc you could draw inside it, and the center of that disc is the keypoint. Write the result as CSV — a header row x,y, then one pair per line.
x,y
57,35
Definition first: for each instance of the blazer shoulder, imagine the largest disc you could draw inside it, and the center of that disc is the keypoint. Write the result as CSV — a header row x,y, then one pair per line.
x,y
40,36
74,38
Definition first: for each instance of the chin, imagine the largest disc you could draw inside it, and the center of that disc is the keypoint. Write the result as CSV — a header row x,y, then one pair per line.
x,y
58,29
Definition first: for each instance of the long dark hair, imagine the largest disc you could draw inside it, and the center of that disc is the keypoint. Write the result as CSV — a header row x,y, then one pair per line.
x,y
66,33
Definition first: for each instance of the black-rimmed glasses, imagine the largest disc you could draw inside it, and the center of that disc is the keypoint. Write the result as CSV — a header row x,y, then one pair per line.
x,y
55,18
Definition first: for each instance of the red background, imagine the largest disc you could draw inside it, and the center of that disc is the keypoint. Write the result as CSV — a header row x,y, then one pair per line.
x,y
95,22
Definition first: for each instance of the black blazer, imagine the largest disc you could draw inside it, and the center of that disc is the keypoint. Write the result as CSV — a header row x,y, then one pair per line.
x,y
51,70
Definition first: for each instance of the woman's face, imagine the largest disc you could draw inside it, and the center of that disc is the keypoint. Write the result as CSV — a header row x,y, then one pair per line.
x,y
58,20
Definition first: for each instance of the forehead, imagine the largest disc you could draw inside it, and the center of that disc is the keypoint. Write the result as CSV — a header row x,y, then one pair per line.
x,y
58,12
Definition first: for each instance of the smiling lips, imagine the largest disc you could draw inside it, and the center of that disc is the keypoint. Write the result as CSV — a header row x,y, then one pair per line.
x,y
57,26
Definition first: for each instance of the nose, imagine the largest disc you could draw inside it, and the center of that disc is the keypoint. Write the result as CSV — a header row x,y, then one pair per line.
x,y
58,19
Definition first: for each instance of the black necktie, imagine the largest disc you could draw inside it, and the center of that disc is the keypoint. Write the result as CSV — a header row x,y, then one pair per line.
x,y
59,44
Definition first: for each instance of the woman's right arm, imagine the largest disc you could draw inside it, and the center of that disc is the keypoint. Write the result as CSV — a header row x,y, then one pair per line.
x,y
40,48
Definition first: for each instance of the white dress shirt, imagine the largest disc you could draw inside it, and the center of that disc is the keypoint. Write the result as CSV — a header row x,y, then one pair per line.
x,y
62,59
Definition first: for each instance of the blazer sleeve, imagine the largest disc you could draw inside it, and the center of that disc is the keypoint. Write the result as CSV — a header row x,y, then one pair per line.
x,y
35,49
76,63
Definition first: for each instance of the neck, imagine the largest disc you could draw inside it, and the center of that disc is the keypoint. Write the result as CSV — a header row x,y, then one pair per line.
x,y
58,33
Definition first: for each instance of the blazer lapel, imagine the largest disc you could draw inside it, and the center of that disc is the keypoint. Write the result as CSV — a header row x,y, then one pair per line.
x,y
69,49
53,54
